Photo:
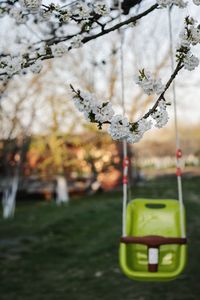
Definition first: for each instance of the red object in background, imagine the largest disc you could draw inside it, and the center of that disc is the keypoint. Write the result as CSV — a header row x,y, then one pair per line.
x,y
110,179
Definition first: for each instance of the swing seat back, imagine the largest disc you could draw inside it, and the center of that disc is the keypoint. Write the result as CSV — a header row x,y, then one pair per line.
x,y
153,249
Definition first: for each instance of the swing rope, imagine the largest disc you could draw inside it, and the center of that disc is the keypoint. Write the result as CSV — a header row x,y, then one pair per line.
x,y
153,242
125,148
177,139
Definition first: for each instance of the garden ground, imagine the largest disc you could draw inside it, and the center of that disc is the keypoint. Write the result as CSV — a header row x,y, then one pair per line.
x,y
71,252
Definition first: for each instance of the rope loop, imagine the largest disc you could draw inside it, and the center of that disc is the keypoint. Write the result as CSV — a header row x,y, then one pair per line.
x,y
179,153
125,179
178,171
125,162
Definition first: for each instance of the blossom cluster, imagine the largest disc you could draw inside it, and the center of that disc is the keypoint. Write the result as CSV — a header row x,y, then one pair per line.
x,y
32,61
10,65
165,3
149,84
190,61
84,14
31,5
196,2
179,3
94,111
189,37
160,115
79,12
118,125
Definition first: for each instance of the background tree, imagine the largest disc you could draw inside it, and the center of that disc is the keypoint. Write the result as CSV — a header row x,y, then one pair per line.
x,y
47,36
13,127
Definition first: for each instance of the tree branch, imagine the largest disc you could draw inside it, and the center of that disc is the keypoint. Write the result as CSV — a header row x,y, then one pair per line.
x,y
85,40
152,110
162,96
117,26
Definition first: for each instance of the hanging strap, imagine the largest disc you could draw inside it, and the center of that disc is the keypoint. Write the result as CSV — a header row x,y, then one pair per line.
x,y
177,139
125,150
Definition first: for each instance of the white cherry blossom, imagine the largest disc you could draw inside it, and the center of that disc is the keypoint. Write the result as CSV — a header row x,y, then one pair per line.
x,y
150,85
76,41
160,115
32,5
36,67
59,50
119,128
179,3
190,62
18,15
103,112
101,8
14,65
196,2
83,10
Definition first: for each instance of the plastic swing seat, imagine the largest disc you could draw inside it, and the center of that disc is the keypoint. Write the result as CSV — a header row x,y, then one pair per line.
x,y
153,249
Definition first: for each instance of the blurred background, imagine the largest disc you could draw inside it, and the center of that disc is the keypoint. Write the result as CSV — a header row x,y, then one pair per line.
x,y
61,178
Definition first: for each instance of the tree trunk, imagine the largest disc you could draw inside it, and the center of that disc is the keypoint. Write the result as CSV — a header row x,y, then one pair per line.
x,y
62,194
9,198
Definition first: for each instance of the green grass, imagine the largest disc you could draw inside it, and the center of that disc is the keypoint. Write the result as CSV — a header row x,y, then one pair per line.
x,y
71,252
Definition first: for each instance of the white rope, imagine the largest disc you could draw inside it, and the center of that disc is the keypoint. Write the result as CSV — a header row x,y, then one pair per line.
x,y
125,189
177,139
125,152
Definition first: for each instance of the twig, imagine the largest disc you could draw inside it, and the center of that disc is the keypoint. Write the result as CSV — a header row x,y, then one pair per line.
x,y
162,96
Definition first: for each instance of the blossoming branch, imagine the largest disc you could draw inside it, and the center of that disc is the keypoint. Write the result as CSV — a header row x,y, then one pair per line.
x,y
118,126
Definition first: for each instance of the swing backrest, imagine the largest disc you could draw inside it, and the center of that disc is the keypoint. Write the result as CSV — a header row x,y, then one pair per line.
x,y
153,217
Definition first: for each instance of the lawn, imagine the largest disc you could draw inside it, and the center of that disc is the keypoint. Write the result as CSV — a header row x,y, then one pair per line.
x,y
71,252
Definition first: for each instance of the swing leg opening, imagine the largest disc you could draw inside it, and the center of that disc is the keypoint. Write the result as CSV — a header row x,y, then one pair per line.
x,y
153,243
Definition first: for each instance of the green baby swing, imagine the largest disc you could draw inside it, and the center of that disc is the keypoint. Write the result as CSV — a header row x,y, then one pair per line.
x,y
153,243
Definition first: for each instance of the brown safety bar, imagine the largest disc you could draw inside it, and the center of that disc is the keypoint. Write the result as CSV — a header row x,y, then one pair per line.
x,y
153,241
